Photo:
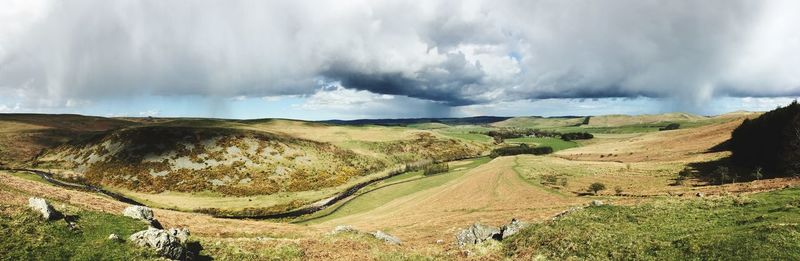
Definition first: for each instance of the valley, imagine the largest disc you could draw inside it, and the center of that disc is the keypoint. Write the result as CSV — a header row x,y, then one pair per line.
x,y
196,172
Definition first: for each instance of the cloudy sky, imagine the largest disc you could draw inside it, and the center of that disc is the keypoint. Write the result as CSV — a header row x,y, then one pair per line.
x,y
378,59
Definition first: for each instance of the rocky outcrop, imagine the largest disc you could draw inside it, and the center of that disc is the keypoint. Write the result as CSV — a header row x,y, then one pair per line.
x,y
40,205
167,243
386,237
477,233
512,228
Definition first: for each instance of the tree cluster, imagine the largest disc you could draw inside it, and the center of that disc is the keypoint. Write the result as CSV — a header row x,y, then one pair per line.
x,y
520,149
770,143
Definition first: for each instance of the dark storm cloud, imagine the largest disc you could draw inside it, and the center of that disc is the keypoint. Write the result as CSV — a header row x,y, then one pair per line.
x,y
449,52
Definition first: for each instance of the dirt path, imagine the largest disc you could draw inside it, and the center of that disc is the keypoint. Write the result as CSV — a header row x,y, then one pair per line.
x,y
492,193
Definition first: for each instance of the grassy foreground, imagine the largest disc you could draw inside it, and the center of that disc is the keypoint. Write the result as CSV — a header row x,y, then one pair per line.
x,y
25,236
765,226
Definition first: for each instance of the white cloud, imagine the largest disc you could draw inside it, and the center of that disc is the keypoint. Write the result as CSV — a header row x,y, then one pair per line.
x,y
56,54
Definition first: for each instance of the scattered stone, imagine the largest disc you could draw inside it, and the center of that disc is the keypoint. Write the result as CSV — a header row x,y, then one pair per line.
x,y
597,203
512,228
139,212
564,213
477,233
700,194
41,205
344,229
439,241
113,237
386,237
162,241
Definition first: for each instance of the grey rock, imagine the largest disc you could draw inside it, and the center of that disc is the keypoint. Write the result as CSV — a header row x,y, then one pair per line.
x,y
113,237
41,205
477,233
139,212
512,228
386,237
162,241
344,229
597,203
700,194
564,213
182,234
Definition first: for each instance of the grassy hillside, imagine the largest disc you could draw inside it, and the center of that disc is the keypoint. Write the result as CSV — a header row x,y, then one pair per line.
x,y
24,136
765,226
229,161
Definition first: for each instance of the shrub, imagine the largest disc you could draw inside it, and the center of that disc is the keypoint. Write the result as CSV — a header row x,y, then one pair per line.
x,y
520,149
597,187
435,168
671,126
576,136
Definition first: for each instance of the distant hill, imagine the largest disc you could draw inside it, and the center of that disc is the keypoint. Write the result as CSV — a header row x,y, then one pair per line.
x,y
621,120
479,120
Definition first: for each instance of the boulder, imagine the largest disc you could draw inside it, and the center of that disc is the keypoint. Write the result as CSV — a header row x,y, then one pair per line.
x,y
40,205
162,241
597,203
386,237
477,233
139,212
113,237
512,228
700,194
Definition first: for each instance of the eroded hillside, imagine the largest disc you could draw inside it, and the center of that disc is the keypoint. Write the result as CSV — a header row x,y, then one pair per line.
x,y
232,161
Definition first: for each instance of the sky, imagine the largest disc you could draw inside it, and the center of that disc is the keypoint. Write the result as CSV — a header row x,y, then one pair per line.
x,y
356,59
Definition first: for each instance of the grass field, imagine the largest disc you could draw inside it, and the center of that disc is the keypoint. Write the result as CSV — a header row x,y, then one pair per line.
x,y
395,187
555,143
764,226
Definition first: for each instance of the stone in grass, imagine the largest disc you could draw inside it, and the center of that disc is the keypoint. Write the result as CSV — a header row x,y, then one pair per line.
x,y
386,237
597,203
139,212
113,237
165,242
142,213
40,205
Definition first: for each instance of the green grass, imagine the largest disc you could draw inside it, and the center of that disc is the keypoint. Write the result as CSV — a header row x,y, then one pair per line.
x,y
762,227
393,188
556,144
25,236
27,175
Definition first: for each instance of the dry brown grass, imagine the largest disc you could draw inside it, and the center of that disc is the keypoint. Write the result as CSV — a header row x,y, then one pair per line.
x,y
678,145
492,193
